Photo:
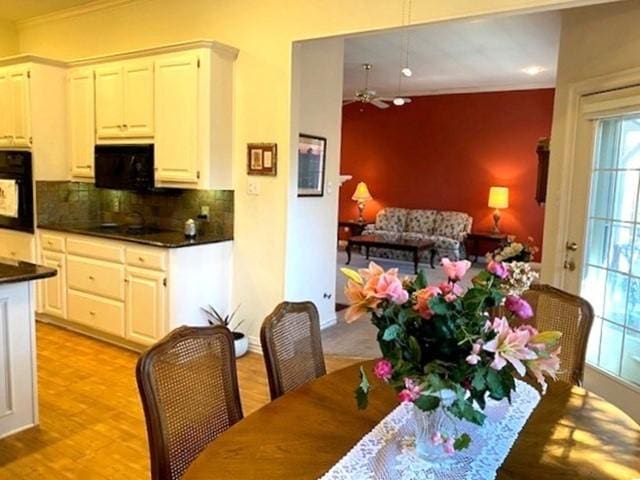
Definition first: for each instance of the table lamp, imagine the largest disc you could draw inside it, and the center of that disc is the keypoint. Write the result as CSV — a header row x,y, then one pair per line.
x,y
498,198
362,196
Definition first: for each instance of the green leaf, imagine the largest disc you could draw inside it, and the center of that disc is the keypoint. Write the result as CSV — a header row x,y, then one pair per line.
x,y
421,280
362,391
439,306
391,333
495,384
478,381
426,403
462,442
414,348
464,409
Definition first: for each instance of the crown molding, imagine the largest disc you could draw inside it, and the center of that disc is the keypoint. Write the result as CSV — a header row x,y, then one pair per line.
x,y
220,48
70,12
508,87
28,58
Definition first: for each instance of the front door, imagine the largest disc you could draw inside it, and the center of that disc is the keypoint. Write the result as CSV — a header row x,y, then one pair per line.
x,y
603,249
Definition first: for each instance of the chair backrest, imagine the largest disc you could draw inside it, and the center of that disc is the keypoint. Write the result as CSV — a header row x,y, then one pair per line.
x,y
292,346
189,390
555,309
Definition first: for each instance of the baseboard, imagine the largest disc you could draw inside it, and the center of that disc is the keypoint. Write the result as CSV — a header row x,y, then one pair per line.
x,y
328,323
254,345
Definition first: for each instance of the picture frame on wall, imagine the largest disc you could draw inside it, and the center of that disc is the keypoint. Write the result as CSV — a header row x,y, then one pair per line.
x,y
262,159
312,154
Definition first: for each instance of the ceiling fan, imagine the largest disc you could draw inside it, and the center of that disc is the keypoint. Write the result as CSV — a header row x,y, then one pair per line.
x,y
366,95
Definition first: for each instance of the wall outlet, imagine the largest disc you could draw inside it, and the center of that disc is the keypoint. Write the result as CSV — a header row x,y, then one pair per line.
x,y
204,210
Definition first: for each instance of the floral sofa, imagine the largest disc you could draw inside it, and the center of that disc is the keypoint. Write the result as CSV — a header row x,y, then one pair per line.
x,y
447,229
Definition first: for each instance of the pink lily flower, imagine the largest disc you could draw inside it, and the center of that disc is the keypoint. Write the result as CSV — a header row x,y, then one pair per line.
x,y
474,356
411,391
360,302
549,364
389,286
455,270
509,346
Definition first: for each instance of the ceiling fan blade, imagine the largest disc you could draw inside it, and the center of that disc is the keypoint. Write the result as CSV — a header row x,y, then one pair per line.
x,y
379,103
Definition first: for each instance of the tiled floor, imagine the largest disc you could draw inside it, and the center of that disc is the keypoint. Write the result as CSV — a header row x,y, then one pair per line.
x,y
91,421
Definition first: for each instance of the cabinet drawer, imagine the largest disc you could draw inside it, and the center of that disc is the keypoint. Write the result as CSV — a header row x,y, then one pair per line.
x,y
54,243
146,259
100,313
17,246
96,277
96,249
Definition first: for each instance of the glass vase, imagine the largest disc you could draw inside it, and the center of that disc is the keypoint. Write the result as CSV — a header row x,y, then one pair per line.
x,y
433,428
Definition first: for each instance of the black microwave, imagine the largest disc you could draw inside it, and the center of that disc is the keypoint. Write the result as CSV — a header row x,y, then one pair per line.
x,y
124,167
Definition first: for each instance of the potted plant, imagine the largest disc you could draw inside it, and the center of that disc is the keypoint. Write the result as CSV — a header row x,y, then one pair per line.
x,y
241,342
448,350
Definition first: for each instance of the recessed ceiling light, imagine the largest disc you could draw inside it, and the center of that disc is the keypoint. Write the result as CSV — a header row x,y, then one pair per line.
x,y
406,71
533,70
398,101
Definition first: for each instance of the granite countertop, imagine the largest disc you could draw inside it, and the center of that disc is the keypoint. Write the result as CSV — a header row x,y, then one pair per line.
x,y
14,271
147,235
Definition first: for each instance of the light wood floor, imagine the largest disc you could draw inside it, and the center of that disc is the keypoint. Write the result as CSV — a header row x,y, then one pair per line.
x,y
91,420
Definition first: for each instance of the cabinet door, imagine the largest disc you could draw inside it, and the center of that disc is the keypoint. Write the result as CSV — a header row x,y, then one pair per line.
x,y
80,93
19,93
109,102
138,100
6,118
176,119
145,305
55,288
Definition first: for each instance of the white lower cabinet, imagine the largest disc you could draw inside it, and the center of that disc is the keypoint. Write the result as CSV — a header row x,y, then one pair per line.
x,y
54,289
146,305
130,291
96,312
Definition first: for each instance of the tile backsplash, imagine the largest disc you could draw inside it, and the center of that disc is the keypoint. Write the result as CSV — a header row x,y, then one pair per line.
x,y
78,203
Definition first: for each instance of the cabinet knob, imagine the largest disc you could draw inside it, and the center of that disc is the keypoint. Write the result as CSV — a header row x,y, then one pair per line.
x,y
92,313
125,126
91,277
141,259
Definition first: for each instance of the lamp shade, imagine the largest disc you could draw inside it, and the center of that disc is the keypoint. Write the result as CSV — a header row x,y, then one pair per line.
x,y
499,197
362,193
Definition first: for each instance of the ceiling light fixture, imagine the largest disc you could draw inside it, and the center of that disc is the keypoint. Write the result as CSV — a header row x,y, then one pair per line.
x,y
533,70
406,69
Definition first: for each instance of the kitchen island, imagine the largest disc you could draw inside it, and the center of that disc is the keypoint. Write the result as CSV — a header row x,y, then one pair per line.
x,y
18,379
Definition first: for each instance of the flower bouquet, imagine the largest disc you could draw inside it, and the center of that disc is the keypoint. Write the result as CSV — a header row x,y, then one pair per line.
x,y
445,349
513,251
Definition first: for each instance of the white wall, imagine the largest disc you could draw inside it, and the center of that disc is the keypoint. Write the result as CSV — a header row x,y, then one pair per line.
x,y
595,41
312,221
8,39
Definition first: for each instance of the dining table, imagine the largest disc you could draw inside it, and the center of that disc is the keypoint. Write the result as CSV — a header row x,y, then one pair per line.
x,y
571,434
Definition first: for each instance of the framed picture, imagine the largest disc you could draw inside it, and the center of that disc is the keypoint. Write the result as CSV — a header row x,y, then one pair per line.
x,y
312,152
262,159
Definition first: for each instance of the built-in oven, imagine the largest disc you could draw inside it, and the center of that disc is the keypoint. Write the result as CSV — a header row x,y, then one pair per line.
x,y
16,191
124,167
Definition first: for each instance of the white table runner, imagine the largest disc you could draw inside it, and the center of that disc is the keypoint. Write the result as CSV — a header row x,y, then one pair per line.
x,y
388,451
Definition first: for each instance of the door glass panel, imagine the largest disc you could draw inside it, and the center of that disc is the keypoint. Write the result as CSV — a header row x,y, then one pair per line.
x,y
611,276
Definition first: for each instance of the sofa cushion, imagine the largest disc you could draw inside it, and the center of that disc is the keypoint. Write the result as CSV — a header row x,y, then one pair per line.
x,y
421,221
453,225
391,219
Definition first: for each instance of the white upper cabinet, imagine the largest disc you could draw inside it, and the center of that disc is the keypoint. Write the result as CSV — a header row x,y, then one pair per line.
x,y
81,115
138,99
124,101
176,101
15,121
21,132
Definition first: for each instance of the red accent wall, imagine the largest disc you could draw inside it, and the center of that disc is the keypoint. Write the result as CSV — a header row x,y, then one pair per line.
x,y
445,151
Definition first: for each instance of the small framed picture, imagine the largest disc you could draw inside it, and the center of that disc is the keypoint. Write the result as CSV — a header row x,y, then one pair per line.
x,y
262,159
312,151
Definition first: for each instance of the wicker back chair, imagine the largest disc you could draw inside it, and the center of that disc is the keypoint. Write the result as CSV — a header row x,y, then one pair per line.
x,y
292,347
555,309
189,389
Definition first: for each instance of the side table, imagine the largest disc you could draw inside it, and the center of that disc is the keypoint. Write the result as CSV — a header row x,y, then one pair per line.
x,y
489,240
354,226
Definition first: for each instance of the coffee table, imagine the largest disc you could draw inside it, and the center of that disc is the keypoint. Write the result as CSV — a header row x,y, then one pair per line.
x,y
404,245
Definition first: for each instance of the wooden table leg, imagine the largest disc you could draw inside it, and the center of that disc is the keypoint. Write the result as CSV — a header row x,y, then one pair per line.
x,y
416,260
348,250
433,257
367,251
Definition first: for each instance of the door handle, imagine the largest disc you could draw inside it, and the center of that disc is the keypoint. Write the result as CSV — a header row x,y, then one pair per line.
x,y
569,265
572,246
